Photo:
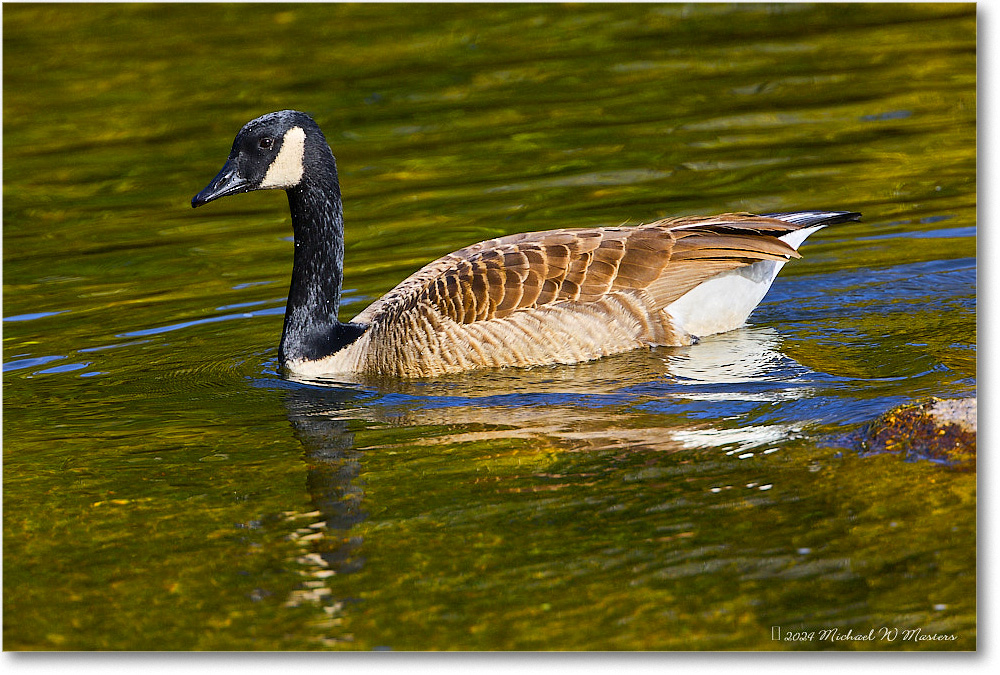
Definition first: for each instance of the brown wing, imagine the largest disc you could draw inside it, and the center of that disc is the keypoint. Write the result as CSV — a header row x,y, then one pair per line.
x,y
667,258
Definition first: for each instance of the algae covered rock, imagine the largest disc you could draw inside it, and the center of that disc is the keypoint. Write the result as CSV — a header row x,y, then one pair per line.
x,y
939,430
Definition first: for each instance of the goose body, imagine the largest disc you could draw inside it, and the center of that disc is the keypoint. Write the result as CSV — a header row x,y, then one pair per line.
x,y
558,296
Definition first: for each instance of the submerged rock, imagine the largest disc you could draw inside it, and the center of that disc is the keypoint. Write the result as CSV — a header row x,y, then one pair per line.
x,y
940,430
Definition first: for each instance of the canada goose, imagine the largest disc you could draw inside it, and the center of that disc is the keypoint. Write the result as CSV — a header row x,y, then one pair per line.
x,y
559,296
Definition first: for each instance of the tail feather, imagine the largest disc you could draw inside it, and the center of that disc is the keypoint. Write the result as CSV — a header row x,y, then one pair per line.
x,y
724,301
816,217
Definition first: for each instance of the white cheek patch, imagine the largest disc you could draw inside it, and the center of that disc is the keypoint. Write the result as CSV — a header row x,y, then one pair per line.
x,y
286,169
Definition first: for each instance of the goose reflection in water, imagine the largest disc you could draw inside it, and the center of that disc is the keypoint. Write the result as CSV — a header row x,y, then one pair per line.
x,y
332,480
558,410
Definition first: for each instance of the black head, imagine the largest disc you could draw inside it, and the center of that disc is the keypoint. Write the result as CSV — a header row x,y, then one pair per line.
x,y
268,153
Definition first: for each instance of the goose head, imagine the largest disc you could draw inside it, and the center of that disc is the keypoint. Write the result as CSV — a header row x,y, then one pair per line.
x,y
272,152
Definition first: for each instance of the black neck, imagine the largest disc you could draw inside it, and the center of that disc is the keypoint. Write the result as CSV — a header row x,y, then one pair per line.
x,y
311,329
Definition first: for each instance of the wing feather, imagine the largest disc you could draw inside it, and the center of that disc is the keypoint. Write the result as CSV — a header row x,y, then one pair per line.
x,y
666,258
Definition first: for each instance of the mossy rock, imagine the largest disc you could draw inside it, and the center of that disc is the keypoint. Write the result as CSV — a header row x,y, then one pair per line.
x,y
939,430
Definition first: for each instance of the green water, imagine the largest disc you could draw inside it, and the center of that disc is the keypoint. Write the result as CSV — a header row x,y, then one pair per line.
x,y
165,488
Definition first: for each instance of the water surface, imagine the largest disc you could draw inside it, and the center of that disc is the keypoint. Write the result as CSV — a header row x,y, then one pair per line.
x,y
165,488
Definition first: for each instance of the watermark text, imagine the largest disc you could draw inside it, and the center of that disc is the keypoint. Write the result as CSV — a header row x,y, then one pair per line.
x,y
850,635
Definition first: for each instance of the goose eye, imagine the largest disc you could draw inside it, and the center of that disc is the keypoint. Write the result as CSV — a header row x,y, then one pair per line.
x,y
267,143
